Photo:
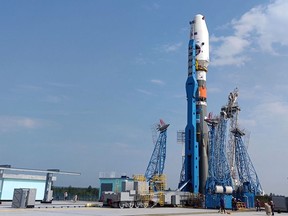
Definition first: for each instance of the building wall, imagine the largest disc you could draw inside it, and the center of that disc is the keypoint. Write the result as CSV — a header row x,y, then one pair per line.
x,y
9,184
115,182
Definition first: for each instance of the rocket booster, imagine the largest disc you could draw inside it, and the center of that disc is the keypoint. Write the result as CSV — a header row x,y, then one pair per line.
x,y
199,33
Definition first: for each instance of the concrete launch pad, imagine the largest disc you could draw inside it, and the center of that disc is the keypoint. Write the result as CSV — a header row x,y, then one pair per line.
x,y
62,208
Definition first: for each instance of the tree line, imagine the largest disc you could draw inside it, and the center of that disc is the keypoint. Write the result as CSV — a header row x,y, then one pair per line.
x,y
86,194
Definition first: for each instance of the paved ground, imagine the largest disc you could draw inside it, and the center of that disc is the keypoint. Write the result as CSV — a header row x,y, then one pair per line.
x,y
79,209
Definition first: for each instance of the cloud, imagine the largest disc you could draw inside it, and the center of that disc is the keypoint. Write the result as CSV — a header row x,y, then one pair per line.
x,y
247,123
56,98
230,51
155,5
214,90
140,61
180,96
61,85
157,82
267,111
170,48
261,29
152,7
12,123
30,87
144,91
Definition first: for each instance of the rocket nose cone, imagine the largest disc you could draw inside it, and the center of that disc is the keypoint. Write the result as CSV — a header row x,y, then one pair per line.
x,y
199,32
200,16
200,23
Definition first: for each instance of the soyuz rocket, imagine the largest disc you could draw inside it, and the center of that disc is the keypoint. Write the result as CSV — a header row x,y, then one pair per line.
x,y
196,131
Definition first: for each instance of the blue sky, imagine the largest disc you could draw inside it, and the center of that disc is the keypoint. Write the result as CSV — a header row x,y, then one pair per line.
x,y
83,81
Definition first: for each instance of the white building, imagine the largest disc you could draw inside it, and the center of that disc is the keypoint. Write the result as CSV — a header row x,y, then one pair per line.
x,y
9,181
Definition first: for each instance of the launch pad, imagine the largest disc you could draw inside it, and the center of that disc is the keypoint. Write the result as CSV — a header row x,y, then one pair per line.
x,y
78,208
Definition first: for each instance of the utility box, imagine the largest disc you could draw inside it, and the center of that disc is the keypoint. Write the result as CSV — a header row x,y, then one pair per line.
x,y
31,198
175,200
24,198
280,204
127,186
141,187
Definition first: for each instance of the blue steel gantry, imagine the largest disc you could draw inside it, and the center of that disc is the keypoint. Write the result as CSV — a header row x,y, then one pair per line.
x,y
219,181
230,167
181,140
248,179
157,160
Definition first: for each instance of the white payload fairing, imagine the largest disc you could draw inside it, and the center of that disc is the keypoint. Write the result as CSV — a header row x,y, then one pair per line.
x,y
200,34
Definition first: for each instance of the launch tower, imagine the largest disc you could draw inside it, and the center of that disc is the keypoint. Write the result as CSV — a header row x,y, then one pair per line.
x,y
157,160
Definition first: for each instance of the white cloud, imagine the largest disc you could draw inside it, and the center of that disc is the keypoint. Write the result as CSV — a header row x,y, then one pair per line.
x,y
12,123
260,29
214,90
56,98
152,7
30,87
169,48
230,51
157,82
121,146
140,61
272,111
247,123
182,96
61,85
155,5
144,91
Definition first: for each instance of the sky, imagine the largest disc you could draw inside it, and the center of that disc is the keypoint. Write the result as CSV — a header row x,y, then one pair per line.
x,y
82,82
